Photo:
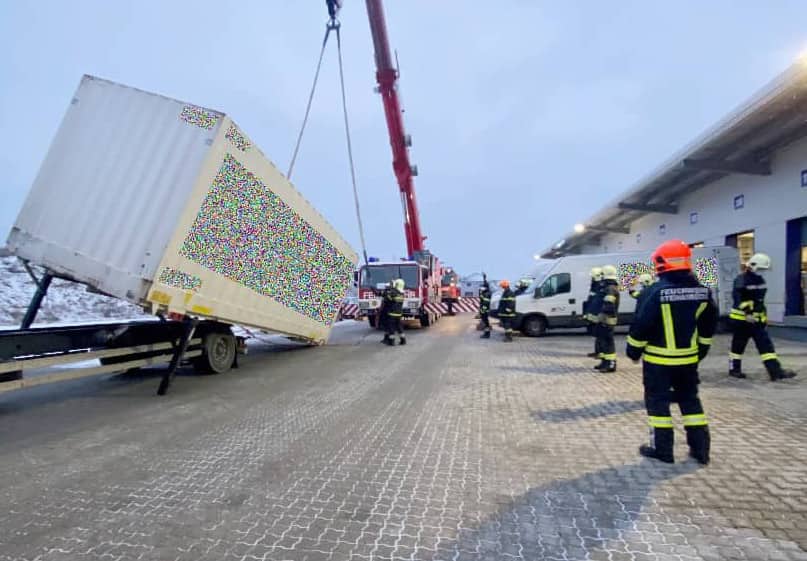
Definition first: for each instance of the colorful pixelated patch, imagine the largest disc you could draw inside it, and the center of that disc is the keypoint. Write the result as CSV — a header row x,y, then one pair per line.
x,y
178,279
239,140
630,271
707,271
246,233
197,116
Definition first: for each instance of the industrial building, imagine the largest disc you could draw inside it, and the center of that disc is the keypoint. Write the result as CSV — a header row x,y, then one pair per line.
x,y
743,184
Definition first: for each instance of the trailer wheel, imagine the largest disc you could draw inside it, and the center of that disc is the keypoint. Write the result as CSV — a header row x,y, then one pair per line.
x,y
533,326
218,353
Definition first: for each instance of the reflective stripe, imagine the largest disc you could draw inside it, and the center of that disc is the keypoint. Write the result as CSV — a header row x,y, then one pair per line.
x,y
636,343
669,328
671,352
610,321
705,340
697,420
747,304
735,356
700,310
394,315
608,356
610,298
660,422
508,298
768,356
665,361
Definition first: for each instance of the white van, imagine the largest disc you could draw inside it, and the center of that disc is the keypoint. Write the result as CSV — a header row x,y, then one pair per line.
x,y
555,298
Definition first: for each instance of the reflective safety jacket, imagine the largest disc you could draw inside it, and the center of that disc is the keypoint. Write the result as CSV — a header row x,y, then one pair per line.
x,y
676,322
593,304
610,302
749,297
507,304
484,301
392,303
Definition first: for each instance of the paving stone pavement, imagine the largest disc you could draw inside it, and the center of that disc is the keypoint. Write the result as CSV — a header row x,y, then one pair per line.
x,y
450,448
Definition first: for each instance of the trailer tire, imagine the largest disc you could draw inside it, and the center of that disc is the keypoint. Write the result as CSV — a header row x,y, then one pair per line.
x,y
218,353
533,326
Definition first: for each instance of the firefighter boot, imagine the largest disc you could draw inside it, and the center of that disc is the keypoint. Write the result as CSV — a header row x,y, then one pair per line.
x,y
699,443
403,340
508,337
735,368
485,335
776,372
388,341
606,366
660,447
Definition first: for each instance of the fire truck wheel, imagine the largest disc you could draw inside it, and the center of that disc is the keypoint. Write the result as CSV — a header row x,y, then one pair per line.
x,y
425,319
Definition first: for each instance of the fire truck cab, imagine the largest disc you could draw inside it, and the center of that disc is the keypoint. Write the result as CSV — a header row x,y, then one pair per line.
x,y
420,290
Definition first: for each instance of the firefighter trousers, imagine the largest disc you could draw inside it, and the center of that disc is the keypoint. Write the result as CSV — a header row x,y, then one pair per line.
x,y
484,318
507,324
394,326
662,386
604,345
742,331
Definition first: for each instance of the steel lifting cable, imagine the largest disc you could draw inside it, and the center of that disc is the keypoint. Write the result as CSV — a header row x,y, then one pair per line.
x,y
310,100
350,146
334,25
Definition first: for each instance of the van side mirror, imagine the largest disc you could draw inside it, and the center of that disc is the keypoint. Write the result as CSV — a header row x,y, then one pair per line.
x,y
537,293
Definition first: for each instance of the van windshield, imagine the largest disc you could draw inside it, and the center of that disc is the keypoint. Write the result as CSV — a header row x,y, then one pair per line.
x,y
540,273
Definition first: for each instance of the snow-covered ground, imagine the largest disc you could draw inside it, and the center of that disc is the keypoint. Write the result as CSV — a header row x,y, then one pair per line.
x,y
66,302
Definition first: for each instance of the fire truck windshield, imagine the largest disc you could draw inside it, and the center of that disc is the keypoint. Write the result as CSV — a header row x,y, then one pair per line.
x,y
449,278
384,274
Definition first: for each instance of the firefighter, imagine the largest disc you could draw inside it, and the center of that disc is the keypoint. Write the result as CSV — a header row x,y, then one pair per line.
x,y
393,307
484,309
672,333
592,307
507,310
607,320
749,319
639,287
522,286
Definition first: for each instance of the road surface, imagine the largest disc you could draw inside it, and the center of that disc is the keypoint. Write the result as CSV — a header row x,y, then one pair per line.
x,y
449,448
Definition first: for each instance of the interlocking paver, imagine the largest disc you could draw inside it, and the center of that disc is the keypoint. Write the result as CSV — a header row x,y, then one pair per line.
x,y
449,448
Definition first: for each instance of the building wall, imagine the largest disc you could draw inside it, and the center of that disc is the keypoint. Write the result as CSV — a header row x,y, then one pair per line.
x,y
769,201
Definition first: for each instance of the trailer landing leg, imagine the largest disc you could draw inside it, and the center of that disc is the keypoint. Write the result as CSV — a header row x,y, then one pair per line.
x,y
42,286
179,351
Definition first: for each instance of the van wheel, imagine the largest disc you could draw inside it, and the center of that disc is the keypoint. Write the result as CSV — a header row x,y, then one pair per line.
x,y
533,326
218,353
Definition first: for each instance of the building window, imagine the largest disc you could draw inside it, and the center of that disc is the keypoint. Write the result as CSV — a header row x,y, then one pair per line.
x,y
662,229
739,202
804,178
693,217
619,245
639,237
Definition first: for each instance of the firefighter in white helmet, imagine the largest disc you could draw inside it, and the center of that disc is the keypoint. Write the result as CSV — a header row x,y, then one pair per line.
x,y
592,307
393,308
749,320
607,319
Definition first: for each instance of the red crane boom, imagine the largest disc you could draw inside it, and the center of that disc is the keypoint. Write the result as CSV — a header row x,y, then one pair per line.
x,y
387,78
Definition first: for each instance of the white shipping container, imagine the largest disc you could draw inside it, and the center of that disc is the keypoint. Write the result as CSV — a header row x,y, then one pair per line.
x,y
170,206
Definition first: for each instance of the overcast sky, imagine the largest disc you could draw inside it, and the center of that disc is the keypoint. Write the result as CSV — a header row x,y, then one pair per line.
x,y
527,116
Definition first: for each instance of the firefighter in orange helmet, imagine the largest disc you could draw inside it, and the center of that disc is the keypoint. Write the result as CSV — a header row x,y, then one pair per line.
x,y
672,332
507,310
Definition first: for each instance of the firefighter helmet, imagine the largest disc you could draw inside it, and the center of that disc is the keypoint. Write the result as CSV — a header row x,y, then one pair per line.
x,y
398,284
505,284
759,262
596,273
609,272
645,279
672,255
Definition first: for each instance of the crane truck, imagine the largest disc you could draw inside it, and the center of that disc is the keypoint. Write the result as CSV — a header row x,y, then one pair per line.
x,y
421,270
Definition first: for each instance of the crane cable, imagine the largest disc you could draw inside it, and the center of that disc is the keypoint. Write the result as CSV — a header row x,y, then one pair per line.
x,y
334,25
